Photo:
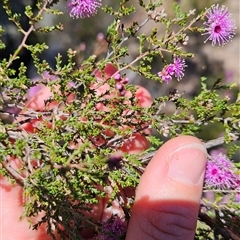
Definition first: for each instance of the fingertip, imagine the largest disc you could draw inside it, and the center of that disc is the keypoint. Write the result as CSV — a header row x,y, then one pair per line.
x,y
171,172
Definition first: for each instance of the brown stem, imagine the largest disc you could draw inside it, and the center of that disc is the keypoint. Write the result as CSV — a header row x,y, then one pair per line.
x,y
26,35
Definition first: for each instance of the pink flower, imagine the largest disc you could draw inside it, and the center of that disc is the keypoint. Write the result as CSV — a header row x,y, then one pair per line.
x,y
179,65
219,25
83,8
167,73
220,173
176,68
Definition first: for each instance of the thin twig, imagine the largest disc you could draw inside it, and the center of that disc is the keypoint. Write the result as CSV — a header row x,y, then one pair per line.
x,y
13,173
209,144
26,35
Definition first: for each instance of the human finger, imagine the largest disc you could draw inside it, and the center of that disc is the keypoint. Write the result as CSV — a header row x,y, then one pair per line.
x,y
168,196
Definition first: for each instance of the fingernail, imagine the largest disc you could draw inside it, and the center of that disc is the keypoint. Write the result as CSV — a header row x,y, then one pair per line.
x,y
187,163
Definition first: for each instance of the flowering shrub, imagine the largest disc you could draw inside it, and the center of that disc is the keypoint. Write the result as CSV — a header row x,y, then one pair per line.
x,y
85,132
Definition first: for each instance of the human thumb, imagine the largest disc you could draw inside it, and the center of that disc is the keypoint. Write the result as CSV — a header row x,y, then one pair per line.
x,y
168,196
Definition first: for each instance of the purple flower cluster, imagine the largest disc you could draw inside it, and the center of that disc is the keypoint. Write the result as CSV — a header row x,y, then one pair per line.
x,y
83,8
220,173
113,229
219,25
174,69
